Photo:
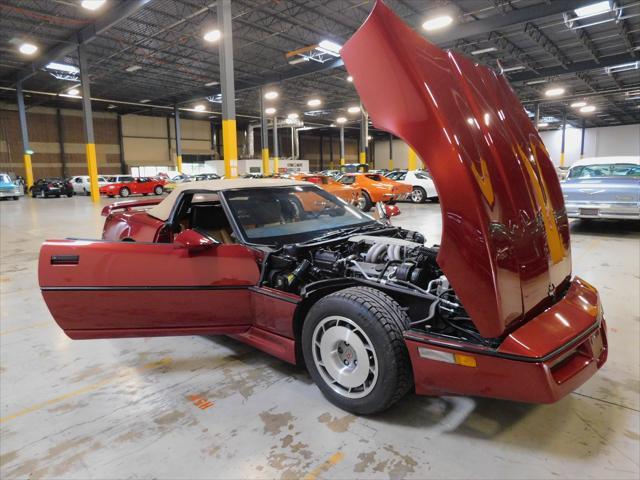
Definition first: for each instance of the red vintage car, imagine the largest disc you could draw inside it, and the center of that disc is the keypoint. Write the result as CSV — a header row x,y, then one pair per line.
x,y
134,186
370,309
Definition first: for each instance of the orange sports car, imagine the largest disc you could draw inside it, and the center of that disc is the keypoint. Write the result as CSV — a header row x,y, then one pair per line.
x,y
376,188
349,193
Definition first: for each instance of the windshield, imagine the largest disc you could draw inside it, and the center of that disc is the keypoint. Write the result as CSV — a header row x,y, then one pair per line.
x,y
605,170
280,215
4,178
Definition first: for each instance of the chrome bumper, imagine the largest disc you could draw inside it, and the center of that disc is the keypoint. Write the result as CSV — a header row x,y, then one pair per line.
x,y
603,210
10,193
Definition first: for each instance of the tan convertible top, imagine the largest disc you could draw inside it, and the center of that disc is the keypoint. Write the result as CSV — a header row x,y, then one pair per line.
x,y
163,209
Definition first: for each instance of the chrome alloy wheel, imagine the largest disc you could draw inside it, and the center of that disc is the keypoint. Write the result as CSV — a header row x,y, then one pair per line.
x,y
417,195
345,357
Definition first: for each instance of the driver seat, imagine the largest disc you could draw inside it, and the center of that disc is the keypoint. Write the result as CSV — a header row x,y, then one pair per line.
x,y
211,220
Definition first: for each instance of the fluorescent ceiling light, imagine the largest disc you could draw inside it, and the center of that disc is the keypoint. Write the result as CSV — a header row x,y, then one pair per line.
x,y
212,35
292,116
210,84
28,48
341,120
535,82
270,111
73,91
327,46
484,50
437,22
543,124
588,109
199,107
133,68
111,106
349,78
578,104
513,69
314,102
62,67
369,137
146,100
271,95
623,67
353,109
92,4
554,92
593,9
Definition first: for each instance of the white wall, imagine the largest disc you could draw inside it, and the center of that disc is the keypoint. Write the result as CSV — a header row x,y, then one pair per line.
x,y
602,141
598,142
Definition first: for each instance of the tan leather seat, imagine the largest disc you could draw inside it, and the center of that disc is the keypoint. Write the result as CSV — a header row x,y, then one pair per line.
x,y
211,220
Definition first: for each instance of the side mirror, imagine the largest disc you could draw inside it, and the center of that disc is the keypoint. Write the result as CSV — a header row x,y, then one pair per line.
x,y
192,241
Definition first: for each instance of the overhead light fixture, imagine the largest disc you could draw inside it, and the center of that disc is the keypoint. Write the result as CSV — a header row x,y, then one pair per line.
x,y
588,109
484,50
62,67
623,67
314,102
593,9
554,92
578,104
146,100
211,84
437,22
133,68
293,116
212,35
111,106
349,78
353,109
92,4
270,111
542,124
28,48
327,46
73,92
369,137
199,108
341,120
332,125
513,69
536,82
271,95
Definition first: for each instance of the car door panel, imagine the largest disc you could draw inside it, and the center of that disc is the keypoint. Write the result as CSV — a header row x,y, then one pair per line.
x,y
97,289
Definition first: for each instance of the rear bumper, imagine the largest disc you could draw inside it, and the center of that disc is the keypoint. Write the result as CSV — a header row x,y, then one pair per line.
x,y
10,193
623,211
540,362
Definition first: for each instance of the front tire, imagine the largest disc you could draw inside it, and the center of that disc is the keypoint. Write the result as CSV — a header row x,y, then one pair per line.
x,y
125,192
418,195
354,349
367,203
158,190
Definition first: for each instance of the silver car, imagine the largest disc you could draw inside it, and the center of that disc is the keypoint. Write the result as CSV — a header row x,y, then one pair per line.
x,y
605,187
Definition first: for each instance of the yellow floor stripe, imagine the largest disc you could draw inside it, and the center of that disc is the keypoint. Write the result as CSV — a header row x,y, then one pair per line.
x,y
26,327
80,391
333,460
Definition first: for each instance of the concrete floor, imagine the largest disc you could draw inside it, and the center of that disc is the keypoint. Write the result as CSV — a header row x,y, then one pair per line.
x,y
129,408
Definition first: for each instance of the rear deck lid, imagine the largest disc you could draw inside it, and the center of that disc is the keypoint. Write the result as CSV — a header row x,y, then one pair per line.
x,y
505,237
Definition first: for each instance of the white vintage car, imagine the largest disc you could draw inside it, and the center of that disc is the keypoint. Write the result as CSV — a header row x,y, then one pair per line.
x,y
81,185
423,187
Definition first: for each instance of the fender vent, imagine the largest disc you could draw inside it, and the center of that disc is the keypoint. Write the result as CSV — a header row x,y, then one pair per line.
x,y
65,259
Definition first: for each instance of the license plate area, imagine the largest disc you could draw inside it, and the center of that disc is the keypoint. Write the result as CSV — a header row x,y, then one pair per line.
x,y
589,211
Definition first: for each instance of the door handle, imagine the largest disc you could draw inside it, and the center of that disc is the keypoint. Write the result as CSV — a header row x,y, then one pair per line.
x,y
65,259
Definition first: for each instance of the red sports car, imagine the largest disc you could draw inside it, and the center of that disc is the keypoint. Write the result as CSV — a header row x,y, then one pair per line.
x,y
136,186
370,309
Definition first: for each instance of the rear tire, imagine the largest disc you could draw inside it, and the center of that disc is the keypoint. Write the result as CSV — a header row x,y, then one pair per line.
x,y
418,195
158,190
69,195
125,192
367,204
354,349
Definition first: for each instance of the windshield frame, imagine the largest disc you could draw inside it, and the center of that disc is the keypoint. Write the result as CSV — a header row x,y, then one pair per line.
x,y
240,232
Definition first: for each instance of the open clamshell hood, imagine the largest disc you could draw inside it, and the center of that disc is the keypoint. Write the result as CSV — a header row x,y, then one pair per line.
x,y
505,237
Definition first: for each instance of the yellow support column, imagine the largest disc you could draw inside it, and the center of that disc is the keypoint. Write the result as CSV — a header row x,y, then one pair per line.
x,y
562,159
412,161
179,163
230,148
22,116
391,164
363,157
265,161
92,168
28,172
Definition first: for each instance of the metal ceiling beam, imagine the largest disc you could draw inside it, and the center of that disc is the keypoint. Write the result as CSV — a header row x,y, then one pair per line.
x,y
84,35
513,17
573,68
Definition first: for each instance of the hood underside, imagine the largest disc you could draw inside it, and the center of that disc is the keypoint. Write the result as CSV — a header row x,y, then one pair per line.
x,y
505,238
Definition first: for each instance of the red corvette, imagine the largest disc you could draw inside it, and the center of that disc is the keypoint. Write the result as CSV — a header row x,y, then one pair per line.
x,y
370,309
136,186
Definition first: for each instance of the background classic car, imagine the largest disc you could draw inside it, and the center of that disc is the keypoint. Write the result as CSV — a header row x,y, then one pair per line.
x,y
603,187
9,188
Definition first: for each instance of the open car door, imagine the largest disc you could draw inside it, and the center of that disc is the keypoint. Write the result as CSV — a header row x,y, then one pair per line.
x,y
99,289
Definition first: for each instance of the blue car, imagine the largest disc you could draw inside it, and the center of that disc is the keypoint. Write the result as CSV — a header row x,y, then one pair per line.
x,y
9,188
603,187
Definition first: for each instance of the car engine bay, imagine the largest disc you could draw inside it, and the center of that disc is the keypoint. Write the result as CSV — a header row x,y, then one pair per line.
x,y
397,263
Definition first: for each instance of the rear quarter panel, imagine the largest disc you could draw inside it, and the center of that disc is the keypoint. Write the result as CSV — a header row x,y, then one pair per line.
x,y
137,226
